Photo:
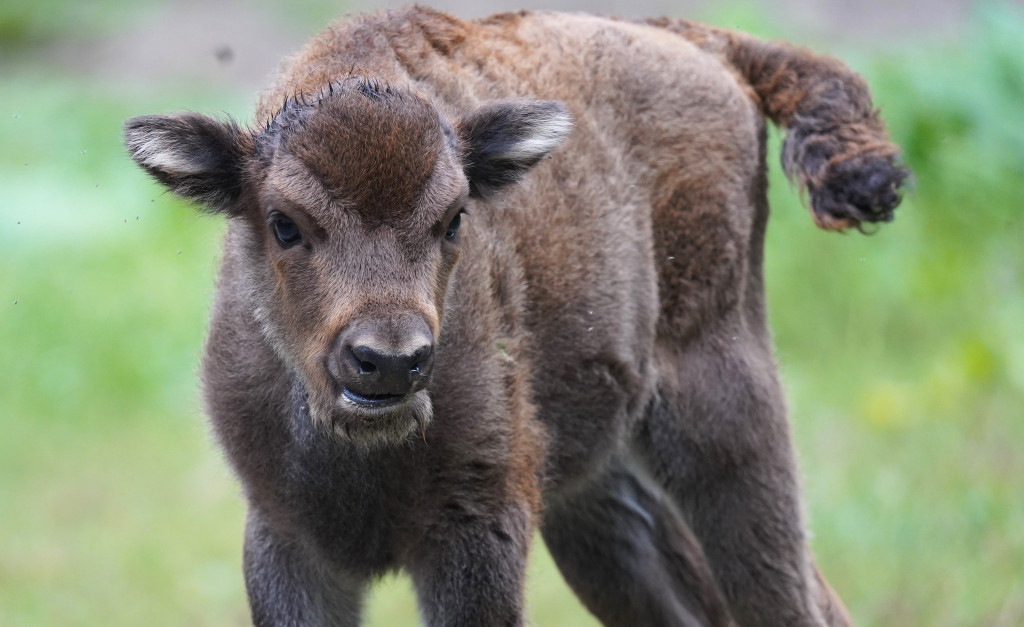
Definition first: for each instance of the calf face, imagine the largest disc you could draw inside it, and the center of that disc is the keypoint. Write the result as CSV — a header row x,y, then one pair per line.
x,y
352,202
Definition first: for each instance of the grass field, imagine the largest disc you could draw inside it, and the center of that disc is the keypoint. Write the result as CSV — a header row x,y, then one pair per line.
x,y
902,354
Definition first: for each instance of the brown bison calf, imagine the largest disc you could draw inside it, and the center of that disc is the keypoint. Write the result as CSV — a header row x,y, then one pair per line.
x,y
414,361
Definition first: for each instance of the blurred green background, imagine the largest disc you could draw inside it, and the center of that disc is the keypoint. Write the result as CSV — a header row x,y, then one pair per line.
x,y
902,353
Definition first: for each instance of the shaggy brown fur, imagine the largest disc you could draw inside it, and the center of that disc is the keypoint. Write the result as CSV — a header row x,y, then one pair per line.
x,y
415,360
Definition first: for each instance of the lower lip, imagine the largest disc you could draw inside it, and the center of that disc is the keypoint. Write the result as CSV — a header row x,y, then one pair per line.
x,y
364,401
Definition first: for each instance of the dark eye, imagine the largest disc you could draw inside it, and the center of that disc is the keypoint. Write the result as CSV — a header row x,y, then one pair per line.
x,y
453,226
285,230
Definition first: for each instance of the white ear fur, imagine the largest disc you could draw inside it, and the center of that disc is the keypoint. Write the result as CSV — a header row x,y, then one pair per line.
x,y
158,150
544,133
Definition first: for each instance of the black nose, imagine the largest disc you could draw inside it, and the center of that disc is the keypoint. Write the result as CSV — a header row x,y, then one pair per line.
x,y
389,373
374,371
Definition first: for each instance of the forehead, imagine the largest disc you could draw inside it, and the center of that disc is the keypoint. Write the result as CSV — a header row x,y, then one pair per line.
x,y
371,148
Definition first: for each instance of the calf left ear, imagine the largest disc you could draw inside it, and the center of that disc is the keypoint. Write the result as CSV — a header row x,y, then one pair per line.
x,y
504,139
194,156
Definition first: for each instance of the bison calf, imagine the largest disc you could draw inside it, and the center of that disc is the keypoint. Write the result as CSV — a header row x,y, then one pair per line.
x,y
419,354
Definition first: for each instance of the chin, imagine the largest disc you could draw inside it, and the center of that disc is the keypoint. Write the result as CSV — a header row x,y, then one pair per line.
x,y
370,426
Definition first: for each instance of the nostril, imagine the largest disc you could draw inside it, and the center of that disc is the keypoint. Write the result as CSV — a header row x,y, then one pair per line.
x,y
420,359
365,360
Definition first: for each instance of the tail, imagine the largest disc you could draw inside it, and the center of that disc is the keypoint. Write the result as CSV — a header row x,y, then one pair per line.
x,y
835,145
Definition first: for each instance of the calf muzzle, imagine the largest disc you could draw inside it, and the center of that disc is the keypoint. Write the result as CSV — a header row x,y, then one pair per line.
x,y
377,365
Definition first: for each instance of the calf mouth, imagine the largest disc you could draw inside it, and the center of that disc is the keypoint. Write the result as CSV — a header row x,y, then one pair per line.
x,y
374,401
372,421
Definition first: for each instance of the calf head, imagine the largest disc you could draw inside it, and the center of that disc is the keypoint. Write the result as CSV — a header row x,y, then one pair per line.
x,y
348,207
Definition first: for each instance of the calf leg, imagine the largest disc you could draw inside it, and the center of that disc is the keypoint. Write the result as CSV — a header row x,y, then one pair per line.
x,y
718,440
469,568
289,586
628,556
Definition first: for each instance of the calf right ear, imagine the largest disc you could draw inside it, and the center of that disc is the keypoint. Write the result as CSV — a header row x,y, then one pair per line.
x,y
194,156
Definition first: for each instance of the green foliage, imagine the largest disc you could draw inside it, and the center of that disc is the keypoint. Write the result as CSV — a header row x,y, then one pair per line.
x,y
902,354
28,24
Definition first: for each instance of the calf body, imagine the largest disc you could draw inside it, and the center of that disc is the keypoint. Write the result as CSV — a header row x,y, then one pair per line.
x,y
415,360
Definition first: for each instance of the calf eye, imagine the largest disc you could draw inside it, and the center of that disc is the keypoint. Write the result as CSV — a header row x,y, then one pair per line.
x,y
453,226
285,230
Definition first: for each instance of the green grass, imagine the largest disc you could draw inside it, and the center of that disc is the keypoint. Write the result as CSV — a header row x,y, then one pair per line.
x,y
902,354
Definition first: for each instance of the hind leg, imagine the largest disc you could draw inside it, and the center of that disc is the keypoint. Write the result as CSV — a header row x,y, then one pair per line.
x,y
628,556
718,440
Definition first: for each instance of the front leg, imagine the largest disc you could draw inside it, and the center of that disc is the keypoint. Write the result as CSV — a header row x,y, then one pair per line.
x,y
289,585
470,566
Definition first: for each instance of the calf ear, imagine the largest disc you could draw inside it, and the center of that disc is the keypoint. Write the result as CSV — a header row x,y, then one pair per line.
x,y
504,139
194,156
